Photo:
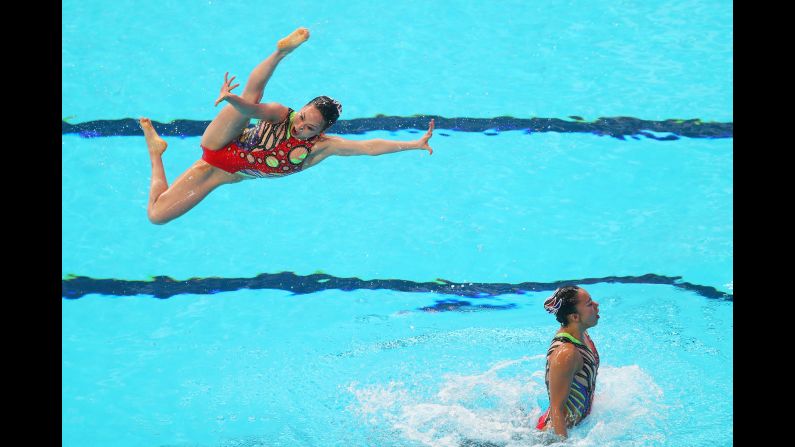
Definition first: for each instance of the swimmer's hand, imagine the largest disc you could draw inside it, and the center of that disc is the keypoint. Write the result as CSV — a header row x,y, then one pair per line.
x,y
423,142
226,89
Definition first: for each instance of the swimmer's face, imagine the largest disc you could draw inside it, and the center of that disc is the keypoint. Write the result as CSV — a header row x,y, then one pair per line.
x,y
307,123
587,309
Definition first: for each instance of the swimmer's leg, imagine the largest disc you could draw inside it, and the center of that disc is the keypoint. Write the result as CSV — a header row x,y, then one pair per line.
x,y
255,86
167,203
230,123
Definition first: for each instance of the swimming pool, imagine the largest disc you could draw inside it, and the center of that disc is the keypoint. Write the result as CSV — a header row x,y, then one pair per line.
x,y
396,300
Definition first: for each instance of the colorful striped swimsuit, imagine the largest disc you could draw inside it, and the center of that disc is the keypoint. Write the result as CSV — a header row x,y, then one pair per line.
x,y
581,393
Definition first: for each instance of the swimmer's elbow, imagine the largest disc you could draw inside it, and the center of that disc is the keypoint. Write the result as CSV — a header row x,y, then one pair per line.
x,y
358,150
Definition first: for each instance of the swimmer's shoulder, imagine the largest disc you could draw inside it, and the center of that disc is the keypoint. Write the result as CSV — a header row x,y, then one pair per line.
x,y
324,142
567,353
321,149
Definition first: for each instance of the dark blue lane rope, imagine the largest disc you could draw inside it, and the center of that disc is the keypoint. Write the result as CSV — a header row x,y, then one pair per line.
x,y
74,287
617,127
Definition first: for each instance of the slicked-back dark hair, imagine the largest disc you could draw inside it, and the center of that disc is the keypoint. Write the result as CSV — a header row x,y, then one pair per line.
x,y
565,299
329,108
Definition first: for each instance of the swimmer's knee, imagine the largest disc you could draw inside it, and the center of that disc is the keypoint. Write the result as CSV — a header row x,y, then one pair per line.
x,y
157,218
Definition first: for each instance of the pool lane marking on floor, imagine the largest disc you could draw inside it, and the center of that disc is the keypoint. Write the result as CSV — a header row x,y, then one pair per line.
x,y
73,287
616,127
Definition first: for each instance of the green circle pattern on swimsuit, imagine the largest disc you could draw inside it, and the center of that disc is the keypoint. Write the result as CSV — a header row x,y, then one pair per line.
x,y
297,155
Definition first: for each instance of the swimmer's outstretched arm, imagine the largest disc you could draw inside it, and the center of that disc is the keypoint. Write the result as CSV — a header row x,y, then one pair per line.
x,y
269,112
334,145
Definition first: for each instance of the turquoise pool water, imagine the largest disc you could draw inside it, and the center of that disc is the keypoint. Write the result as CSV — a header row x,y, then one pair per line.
x,y
500,214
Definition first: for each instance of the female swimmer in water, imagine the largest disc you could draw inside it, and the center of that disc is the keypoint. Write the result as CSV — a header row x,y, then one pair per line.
x,y
283,141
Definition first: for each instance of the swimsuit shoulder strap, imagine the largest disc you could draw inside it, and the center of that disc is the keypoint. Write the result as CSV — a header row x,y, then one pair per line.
x,y
566,336
290,115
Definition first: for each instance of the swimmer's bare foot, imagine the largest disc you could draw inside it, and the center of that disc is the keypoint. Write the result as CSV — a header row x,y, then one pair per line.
x,y
292,41
156,144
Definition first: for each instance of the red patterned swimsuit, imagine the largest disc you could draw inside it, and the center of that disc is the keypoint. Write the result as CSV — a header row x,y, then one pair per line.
x,y
265,150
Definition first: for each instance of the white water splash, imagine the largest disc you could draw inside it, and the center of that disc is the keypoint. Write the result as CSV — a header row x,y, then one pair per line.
x,y
499,407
